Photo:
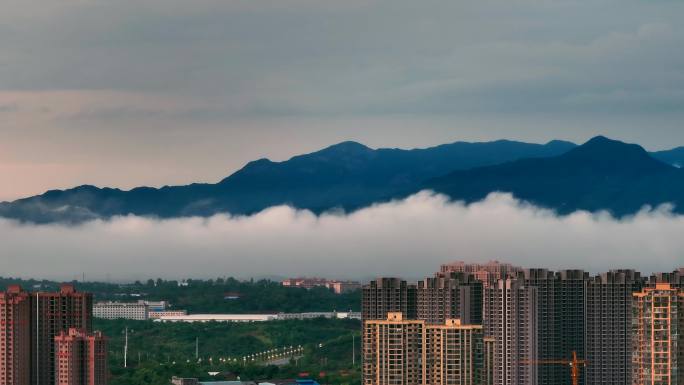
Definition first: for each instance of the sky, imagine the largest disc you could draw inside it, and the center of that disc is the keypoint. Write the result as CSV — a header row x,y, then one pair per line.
x,y
124,93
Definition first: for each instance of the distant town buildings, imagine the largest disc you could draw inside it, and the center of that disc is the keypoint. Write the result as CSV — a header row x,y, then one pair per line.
x,y
46,337
628,329
339,287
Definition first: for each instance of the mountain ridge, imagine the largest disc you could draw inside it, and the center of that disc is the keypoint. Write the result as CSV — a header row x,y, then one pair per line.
x,y
350,175
600,175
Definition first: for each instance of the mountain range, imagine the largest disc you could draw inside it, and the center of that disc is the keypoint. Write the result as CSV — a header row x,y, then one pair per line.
x,y
601,174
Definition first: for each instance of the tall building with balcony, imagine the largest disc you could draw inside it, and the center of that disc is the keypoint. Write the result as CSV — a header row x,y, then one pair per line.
x,y
674,278
54,313
452,296
488,360
609,327
394,351
489,273
560,306
658,336
385,295
454,354
15,336
512,329
399,351
81,358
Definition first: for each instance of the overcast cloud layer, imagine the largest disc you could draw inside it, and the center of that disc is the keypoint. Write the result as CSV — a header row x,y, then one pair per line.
x,y
125,93
409,238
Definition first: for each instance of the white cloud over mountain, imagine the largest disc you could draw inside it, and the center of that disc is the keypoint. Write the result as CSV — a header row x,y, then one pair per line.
x,y
407,238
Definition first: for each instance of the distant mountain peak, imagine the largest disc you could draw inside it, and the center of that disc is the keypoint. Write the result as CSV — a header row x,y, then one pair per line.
x,y
558,142
606,150
349,147
602,142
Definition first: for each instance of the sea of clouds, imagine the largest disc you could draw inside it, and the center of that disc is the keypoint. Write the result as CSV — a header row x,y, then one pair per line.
x,y
408,238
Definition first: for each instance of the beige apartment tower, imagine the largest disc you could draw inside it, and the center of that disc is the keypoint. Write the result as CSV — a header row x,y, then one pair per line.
x,y
454,354
398,351
393,351
658,337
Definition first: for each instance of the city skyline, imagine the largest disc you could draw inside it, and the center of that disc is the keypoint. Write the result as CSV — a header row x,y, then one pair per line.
x,y
618,327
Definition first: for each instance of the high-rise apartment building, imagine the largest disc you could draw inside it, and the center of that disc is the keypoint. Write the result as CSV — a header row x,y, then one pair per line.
x,y
81,358
385,295
609,327
630,330
452,296
658,336
560,307
454,354
399,351
674,278
394,351
488,360
488,273
54,313
511,325
15,337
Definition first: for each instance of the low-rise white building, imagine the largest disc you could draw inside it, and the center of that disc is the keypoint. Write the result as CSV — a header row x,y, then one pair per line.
x,y
121,310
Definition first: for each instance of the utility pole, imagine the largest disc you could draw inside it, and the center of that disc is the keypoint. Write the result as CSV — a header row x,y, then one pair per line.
x,y
126,349
353,351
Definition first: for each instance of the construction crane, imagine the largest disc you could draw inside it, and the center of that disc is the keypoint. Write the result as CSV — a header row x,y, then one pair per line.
x,y
574,364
